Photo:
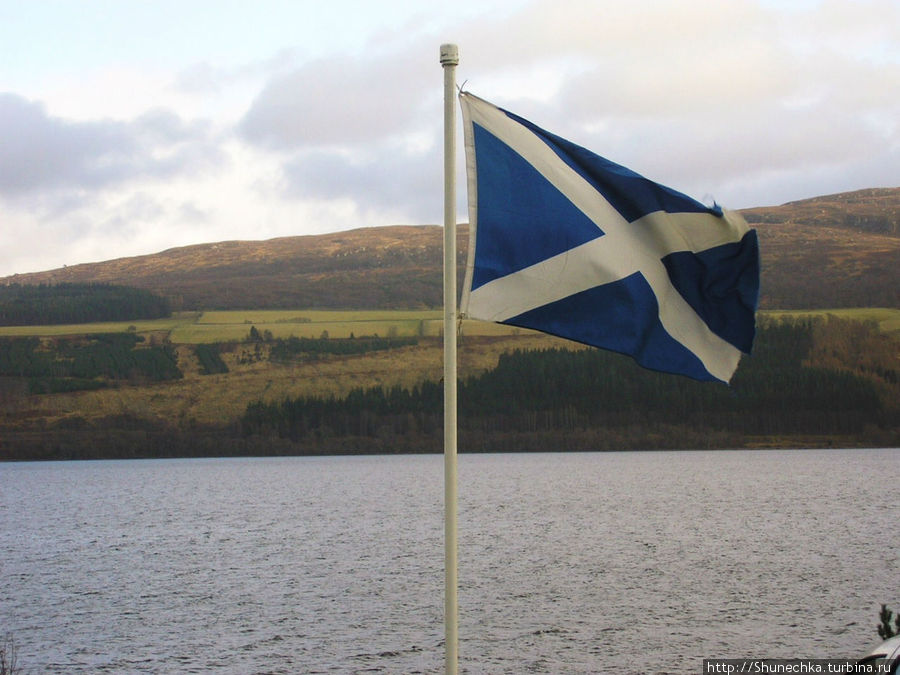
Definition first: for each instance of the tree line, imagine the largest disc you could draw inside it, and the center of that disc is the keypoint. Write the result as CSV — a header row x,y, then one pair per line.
x,y
28,305
210,358
88,362
311,348
591,394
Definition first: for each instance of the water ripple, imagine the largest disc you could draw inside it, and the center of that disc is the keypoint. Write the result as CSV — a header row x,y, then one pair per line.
x,y
577,563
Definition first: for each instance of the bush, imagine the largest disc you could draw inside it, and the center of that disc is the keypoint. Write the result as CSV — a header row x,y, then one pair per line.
x,y
885,630
8,656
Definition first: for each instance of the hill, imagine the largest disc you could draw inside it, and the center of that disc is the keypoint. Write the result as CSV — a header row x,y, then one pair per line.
x,y
385,267
876,211
839,250
834,251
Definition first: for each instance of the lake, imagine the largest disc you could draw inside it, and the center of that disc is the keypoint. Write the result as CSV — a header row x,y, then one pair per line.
x,y
625,562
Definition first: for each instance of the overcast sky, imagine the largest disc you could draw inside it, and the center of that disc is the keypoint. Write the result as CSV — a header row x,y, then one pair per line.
x,y
129,127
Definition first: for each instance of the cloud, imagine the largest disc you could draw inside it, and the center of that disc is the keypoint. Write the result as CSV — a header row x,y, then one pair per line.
x,y
342,101
749,102
39,151
716,100
357,130
390,180
42,152
205,78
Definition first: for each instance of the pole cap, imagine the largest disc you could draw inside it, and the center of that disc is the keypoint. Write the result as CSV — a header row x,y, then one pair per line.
x,y
449,55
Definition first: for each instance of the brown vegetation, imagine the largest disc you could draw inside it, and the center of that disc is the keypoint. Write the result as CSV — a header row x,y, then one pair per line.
x,y
876,210
198,400
839,250
835,251
384,267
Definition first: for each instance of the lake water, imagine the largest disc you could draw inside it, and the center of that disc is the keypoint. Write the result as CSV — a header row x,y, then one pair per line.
x,y
633,562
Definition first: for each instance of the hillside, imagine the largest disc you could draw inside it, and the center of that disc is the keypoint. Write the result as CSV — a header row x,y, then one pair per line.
x,y
876,211
839,250
833,251
809,383
385,267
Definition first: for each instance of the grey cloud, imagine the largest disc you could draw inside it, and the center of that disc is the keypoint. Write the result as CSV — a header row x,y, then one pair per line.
x,y
205,78
126,220
44,152
165,127
347,124
41,151
391,180
190,212
342,101
200,78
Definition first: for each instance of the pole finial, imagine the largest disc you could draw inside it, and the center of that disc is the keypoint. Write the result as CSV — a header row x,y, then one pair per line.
x,y
449,55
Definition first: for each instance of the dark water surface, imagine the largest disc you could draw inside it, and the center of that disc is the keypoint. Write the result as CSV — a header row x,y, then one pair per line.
x,y
641,562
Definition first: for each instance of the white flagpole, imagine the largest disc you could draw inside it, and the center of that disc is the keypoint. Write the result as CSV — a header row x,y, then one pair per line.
x,y
449,61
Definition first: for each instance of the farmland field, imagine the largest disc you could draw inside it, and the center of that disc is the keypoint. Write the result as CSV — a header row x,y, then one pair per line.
x,y
140,326
226,326
222,397
234,326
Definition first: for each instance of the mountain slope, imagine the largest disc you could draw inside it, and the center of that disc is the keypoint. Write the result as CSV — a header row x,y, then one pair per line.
x,y
839,250
875,210
384,267
833,251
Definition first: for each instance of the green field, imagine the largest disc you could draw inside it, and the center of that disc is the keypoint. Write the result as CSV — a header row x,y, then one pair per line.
x,y
155,325
234,326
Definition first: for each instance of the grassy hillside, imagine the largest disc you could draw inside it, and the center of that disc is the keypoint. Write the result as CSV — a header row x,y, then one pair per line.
x,y
219,399
835,251
234,325
197,412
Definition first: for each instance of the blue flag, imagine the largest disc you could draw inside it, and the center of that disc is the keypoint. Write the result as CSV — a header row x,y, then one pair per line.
x,y
566,242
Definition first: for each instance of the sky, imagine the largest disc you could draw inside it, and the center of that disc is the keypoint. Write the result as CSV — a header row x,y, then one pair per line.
x,y
128,127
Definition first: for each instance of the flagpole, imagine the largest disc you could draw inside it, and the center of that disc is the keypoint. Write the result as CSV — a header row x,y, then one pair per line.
x,y
449,61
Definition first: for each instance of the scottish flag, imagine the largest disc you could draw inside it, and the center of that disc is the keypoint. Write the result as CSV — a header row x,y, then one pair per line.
x,y
566,242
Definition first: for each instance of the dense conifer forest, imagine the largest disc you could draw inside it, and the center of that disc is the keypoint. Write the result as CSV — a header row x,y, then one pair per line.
x,y
47,304
313,348
88,362
210,359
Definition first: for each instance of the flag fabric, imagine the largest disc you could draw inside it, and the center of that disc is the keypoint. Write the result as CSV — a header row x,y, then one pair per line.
x,y
566,242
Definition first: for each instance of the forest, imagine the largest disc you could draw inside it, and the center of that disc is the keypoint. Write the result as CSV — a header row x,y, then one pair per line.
x,y
592,399
313,348
48,304
210,359
87,362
